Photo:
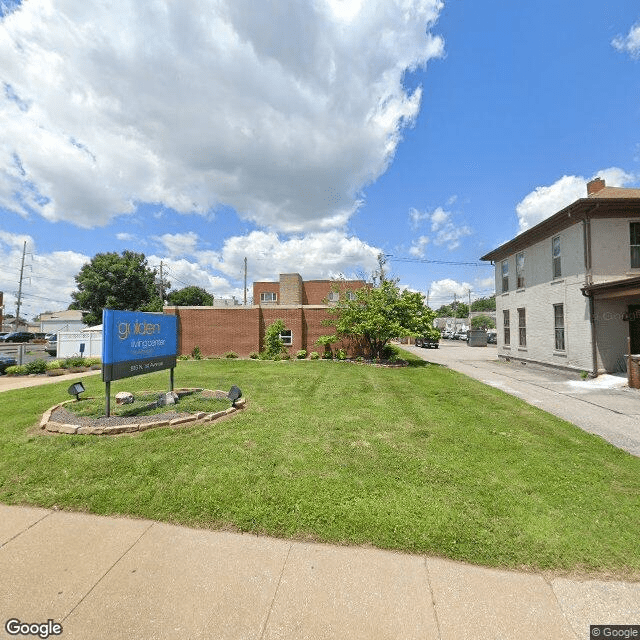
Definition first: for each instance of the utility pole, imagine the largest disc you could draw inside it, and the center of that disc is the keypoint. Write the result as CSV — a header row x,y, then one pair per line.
x,y
469,312
161,285
245,281
24,251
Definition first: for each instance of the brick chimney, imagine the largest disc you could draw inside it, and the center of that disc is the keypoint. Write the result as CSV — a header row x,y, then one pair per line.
x,y
596,185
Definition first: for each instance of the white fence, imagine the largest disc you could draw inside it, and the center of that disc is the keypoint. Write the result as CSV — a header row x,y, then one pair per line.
x,y
79,343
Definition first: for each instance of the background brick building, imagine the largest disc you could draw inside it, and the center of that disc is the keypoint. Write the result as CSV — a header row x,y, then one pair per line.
x,y
302,305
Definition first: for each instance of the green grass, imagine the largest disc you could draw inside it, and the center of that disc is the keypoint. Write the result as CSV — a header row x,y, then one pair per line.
x,y
420,459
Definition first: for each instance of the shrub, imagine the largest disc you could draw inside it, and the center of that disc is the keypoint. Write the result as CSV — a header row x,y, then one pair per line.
x,y
273,344
390,352
196,354
254,355
285,355
314,355
341,354
16,370
327,355
54,364
301,355
230,354
183,356
36,366
73,362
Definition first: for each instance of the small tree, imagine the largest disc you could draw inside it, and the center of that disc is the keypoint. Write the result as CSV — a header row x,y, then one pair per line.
x,y
483,322
113,281
273,345
375,316
190,297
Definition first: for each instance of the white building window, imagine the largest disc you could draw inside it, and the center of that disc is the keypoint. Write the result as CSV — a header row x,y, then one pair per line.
x,y
505,275
506,327
350,295
334,296
558,323
556,257
522,327
634,242
287,337
268,296
520,270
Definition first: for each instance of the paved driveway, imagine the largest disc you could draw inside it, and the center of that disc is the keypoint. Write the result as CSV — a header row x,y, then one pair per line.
x,y
605,405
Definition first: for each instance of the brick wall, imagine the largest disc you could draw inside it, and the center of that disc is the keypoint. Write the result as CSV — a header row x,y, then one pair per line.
x,y
264,287
216,331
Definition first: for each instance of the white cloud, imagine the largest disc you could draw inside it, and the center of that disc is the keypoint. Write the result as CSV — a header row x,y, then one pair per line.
x,y
545,201
630,43
418,246
283,111
439,218
446,231
314,256
48,279
179,244
443,291
417,217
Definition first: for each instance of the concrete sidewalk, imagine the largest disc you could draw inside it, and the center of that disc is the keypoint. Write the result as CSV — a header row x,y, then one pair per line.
x,y
610,410
102,577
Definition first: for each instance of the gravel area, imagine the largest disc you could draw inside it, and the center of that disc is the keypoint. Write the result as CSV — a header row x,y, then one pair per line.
x,y
64,416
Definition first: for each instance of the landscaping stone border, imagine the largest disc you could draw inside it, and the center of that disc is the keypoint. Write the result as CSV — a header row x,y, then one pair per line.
x,y
74,429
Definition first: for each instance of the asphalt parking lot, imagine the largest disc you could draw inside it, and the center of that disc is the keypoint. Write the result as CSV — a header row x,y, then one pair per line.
x,y
604,406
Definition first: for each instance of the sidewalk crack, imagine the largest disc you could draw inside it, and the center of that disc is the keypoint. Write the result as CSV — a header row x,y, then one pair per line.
x,y
104,575
275,593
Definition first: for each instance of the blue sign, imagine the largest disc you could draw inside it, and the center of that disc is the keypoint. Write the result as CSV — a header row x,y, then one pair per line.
x,y
134,343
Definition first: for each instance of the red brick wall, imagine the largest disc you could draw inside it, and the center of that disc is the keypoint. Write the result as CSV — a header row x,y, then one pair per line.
x,y
316,291
242,330
262,287
217,331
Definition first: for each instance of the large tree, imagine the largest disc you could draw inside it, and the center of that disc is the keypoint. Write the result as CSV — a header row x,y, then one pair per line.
x,y
112,281
190,297
375,316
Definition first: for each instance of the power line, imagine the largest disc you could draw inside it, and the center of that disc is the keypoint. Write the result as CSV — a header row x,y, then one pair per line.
x,y
393,258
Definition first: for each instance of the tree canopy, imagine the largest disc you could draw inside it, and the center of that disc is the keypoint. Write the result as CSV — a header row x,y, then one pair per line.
x,y
190,297
375,316
113,281
484,304
482,322
454,310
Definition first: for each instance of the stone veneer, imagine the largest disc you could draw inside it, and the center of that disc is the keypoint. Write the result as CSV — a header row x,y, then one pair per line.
x,y
57,427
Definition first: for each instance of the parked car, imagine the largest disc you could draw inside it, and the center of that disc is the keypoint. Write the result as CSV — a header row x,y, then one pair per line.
x,y
6,361
18,336
427,343
51,345
492,338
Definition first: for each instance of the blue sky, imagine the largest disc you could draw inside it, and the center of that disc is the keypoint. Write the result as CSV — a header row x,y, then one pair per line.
x,y
306,136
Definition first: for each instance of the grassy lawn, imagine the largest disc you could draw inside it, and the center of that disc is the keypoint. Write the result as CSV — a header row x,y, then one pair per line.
x,y
419,459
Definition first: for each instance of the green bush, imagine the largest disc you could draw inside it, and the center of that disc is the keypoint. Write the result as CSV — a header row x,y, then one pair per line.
x,y
314,355
254,355
54,364
183,356
285,355
327,355
16,370
196,354
301,355
273,344
341,354
36,366
230,354
74,361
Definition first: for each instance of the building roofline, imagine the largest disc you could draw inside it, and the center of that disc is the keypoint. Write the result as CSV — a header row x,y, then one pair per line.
x,y
582,209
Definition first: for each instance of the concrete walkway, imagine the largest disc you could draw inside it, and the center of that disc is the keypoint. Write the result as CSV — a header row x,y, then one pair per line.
x,y
116,578
605,406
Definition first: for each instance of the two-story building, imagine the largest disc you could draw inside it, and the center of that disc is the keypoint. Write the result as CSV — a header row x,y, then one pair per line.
x,y
301,304
568,289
